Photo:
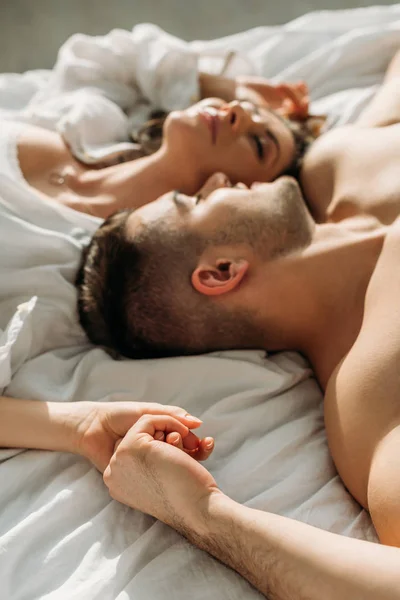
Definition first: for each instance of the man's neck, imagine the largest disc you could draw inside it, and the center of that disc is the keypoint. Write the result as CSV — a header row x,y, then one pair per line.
x,y
344,278
328,281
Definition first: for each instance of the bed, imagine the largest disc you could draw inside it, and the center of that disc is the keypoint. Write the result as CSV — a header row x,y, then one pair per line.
x,y
61,535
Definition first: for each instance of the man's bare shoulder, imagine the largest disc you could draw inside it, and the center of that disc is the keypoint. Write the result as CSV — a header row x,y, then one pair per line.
x,y
362,400
317,176
326,147
381,320
331,146
340,163
382,301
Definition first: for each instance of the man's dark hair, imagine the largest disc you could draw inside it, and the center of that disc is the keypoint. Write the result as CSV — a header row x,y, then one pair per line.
x,y
135,296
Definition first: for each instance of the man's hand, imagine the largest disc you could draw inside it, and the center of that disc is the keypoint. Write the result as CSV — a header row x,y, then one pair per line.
x,y
100,426
156,478
282,558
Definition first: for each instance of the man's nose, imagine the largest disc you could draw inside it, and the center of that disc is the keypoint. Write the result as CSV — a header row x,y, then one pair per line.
x,y
215,182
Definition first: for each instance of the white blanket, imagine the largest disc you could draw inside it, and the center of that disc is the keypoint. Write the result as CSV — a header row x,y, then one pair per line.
x,y
60,534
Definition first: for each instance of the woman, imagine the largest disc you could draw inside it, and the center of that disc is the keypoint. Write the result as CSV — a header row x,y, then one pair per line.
x,y
256,137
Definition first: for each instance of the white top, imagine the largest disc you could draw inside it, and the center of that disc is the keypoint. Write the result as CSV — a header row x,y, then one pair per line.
x,y
9,163
10,169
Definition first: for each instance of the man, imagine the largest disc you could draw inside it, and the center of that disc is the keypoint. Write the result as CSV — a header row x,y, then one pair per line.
x,y
187,275
220,270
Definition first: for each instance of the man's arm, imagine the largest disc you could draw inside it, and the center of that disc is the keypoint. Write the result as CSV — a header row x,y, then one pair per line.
x,y
289,560
284,559
362,401
384,108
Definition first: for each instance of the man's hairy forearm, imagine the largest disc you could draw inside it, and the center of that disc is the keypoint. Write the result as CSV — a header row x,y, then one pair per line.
x,y
289,560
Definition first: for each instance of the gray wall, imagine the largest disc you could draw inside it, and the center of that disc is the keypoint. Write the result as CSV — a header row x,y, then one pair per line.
x,y
31,31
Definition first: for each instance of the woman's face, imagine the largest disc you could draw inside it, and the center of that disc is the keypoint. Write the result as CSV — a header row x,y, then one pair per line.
x,y
245,142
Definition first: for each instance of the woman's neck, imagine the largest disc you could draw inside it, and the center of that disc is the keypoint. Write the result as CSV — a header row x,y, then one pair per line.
x,y
135,183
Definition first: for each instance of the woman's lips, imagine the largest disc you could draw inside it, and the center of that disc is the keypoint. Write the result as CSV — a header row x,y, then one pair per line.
x,y
212,122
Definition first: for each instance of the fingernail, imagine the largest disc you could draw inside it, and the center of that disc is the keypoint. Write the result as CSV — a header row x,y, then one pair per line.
x,y
192,418
175,439
209,445
159,435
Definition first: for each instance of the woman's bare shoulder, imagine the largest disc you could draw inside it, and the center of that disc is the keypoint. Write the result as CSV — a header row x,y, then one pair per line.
x,y
38,148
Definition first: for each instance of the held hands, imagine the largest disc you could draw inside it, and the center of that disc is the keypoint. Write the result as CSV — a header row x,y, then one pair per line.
x,y
100,427
148,473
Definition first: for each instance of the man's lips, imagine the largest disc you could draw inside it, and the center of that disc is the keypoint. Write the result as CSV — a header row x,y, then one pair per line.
x,y
212,122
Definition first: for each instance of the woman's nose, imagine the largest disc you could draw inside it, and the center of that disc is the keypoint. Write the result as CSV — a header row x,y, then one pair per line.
x,y
235,115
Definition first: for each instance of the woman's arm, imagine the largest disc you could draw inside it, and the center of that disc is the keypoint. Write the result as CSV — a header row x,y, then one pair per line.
x,y
39,425
216,86
90,429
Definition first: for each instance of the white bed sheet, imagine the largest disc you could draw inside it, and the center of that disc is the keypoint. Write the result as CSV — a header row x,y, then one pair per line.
x,y
61,536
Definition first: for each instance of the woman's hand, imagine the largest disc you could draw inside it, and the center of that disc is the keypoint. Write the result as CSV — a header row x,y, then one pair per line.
x,y
150,475
101,426
287,99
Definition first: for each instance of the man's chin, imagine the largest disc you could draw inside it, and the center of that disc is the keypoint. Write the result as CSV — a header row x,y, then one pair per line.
x,y
256,185
289,179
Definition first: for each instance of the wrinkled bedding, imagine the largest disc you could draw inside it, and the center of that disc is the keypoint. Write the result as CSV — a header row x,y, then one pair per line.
x,y
61,536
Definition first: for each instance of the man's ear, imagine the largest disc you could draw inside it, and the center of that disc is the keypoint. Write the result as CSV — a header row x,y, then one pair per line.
x,y
221,278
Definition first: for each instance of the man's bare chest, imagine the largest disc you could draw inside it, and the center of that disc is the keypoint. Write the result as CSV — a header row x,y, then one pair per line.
x,y
355,171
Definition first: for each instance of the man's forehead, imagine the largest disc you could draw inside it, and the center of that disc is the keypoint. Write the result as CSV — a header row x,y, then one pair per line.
x,y
134,223
151,213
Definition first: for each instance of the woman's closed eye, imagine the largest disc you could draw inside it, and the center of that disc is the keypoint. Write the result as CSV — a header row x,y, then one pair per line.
x,y
259,146
258,141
